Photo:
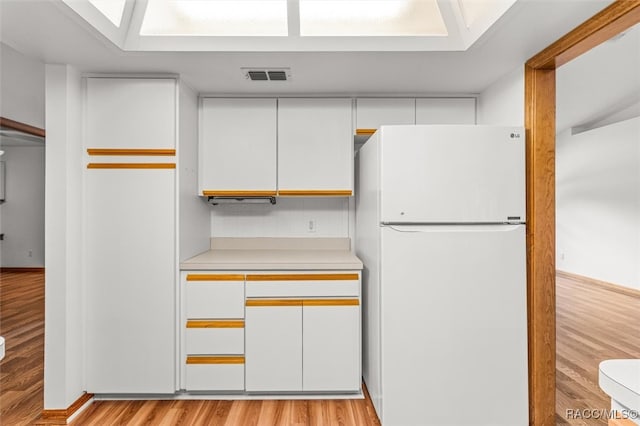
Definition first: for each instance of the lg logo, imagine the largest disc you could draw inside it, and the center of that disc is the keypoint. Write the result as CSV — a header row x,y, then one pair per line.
x,y
514,135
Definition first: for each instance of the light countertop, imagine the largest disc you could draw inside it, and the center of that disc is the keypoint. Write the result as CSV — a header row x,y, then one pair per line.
x,y
275,254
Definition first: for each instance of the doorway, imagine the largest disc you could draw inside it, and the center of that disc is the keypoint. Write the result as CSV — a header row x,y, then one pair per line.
x,y
540,104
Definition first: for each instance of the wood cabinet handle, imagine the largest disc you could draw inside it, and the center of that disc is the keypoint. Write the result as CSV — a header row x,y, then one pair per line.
x,y
131,166
215,323
130,151
215,277
215,360
238,193
302,302
302,277
330,302
365,132
273,302
315,192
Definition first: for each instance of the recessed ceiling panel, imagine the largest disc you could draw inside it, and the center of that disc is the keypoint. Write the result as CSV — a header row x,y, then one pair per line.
x,y
371,18
112,9
215,18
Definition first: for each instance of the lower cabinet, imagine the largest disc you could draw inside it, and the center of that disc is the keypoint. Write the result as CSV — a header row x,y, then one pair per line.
x,y
331,345
310,345
294,333
274,345
213,333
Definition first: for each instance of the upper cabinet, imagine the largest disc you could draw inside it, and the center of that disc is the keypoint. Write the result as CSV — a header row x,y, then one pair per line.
x,y
238,146
130,113
446,111
315,147
371,113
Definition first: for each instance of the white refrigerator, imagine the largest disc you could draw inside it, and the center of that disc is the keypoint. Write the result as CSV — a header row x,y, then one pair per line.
x,y
440,227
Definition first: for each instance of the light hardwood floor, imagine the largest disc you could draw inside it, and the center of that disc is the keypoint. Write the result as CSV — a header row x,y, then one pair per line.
x,y
22,326
593,324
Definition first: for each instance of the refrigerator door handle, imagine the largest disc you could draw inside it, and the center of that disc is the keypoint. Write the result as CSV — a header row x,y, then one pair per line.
x,y
454,228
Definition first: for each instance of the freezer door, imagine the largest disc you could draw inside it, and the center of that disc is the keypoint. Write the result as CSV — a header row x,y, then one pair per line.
x,y
452,174
454,326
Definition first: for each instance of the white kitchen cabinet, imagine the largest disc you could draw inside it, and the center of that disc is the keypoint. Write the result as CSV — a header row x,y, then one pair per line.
x,y
238,146
302,339
315,146
214,296
331,345
213,331
446,111
273,346
130,279
130,113
215,374
371,113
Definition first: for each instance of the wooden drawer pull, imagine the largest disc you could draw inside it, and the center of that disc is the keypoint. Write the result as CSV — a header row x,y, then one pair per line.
x,y
215,360
302,277
215,324
365,132
130,151
131,166
239,193
315,193
330,302
274,302
215,277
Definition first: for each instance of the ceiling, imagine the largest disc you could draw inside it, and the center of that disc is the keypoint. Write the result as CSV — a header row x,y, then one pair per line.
x,y
52,32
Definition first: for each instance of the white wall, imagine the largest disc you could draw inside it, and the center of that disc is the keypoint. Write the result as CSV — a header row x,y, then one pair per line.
x,y
598,203
63,361
194,218
23,211
288,218
21,87
502,103
22,99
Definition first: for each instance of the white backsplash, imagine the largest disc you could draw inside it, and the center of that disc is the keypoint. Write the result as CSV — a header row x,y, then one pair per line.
x,y
290,217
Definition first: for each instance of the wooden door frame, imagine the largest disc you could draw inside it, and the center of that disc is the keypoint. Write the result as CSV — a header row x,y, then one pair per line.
x,y
540,124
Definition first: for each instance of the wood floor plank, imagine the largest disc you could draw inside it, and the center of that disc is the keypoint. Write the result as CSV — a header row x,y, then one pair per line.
x,y
22,326
593,323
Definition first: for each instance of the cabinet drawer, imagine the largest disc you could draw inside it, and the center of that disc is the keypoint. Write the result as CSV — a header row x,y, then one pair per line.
x,y
303,285
214,374
208,337
210,297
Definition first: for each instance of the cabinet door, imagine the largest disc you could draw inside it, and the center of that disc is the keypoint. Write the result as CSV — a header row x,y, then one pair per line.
x,y
371,113
315,147
130,280
130,113
273,347
446,111
238,145
331,345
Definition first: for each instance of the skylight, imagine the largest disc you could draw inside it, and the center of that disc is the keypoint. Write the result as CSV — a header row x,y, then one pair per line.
x,y
215,18
291,25
112,9
371,18
477,10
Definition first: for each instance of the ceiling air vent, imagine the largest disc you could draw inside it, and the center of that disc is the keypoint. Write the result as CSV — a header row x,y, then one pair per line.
x,y
257,74
277,75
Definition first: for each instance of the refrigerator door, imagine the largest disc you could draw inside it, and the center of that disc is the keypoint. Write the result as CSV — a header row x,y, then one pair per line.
x,y
454,325
452,174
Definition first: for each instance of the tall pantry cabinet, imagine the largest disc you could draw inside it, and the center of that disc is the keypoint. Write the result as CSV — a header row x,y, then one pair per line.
x,y
130,238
